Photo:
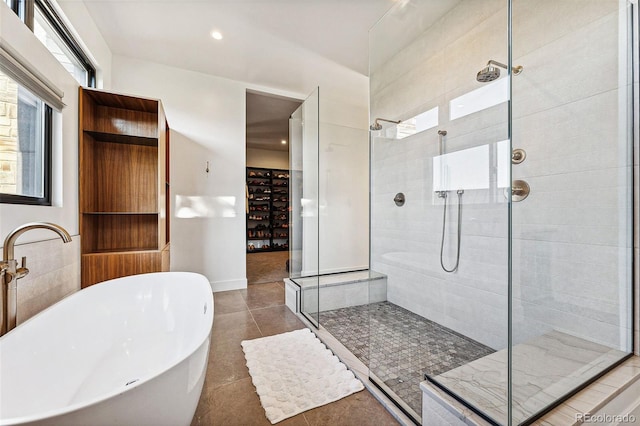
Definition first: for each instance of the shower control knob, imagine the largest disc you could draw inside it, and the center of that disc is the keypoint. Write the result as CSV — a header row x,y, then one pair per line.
x,y
518,155
519,190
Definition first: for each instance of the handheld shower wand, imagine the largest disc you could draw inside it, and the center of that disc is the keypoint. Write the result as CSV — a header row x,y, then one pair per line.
x,y
443,194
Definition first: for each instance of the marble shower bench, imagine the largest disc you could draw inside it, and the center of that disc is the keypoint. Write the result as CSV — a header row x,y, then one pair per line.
x,y
337,291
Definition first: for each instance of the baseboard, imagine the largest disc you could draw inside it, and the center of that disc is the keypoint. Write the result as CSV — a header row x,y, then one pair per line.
x,y
228,285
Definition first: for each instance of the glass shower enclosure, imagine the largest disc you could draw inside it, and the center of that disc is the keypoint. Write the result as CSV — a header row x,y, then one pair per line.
x,y
501,200
304,222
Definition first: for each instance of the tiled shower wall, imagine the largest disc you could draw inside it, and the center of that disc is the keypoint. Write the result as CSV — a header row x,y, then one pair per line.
x,y
572,235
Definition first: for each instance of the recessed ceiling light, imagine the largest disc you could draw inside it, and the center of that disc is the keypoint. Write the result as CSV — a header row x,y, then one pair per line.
x,y
216,34
283,142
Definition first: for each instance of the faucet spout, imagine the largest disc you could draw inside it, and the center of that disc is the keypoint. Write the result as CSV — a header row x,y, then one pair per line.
x,y
10,241
10,273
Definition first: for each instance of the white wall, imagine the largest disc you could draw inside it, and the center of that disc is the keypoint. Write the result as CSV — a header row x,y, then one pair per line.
x,y
572,240
206,115
344,186
267,159
207,118
81,23
55,269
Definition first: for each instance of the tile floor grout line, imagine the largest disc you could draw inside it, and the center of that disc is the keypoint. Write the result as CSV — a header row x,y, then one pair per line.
x,y
252,317
255,322
266,307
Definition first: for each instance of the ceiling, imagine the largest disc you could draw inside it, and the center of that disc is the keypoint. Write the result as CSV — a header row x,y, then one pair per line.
x,y
268,120
289,46
282,44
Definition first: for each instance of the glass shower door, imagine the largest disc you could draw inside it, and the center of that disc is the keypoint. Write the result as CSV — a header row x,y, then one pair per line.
x,y
501,169
439,201
572,235
304,223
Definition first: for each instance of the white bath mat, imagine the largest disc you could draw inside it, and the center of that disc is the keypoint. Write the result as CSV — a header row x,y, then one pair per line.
x,y
294,372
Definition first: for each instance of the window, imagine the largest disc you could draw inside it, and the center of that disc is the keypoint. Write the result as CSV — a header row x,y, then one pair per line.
x,y
53,33
27,102
25,145
23,8
41,17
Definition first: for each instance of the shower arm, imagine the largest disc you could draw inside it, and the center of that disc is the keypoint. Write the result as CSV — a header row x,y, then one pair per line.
x,y
377,126
500,64
516,70
388,121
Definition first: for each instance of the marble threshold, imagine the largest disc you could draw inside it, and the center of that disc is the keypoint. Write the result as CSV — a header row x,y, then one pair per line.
x,y
545,369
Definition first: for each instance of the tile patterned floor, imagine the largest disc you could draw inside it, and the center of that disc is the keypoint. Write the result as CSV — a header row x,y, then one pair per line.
x,y
229,398
399,346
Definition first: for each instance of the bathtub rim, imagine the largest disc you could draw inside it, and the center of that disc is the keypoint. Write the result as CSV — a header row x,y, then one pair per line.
x,y
11,421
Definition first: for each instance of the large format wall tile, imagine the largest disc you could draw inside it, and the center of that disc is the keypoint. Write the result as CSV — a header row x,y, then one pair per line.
x,y
571,238
54,273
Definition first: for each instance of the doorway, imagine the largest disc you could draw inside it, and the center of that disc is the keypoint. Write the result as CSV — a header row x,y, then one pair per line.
x,y
267,186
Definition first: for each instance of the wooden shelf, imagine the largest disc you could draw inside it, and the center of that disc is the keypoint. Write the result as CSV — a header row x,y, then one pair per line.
x,y
116,100
124,184
120,138
267,250
97,267
132,250
123,213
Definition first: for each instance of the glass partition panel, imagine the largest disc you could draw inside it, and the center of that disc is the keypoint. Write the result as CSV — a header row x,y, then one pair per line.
x,y
304,223
439,202
572,234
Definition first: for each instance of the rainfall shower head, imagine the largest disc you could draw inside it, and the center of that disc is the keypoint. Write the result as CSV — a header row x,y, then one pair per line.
x,y
491,72
377,126
488,73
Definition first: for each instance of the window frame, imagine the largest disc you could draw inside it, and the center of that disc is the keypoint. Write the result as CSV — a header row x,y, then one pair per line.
x,y
47,171
52,17
24,10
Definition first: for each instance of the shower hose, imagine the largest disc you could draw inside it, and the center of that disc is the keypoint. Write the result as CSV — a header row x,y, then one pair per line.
x,y
444,222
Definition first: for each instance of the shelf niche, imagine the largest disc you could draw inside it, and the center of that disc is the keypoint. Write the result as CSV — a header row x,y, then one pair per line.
x,y
124,186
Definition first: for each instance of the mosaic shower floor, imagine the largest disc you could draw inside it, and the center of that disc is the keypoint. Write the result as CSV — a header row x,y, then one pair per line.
x,y
399,346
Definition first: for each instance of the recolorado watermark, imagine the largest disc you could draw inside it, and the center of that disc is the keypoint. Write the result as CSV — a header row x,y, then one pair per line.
x,y
606,418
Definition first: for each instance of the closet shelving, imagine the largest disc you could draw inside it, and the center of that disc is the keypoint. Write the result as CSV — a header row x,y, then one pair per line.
x,y
124,186
268,210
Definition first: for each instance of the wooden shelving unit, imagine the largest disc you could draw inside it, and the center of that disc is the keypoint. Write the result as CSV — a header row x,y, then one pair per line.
x,y
268,216
124,186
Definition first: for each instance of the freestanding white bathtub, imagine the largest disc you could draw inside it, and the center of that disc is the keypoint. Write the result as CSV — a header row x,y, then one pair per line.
x,y
129,351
